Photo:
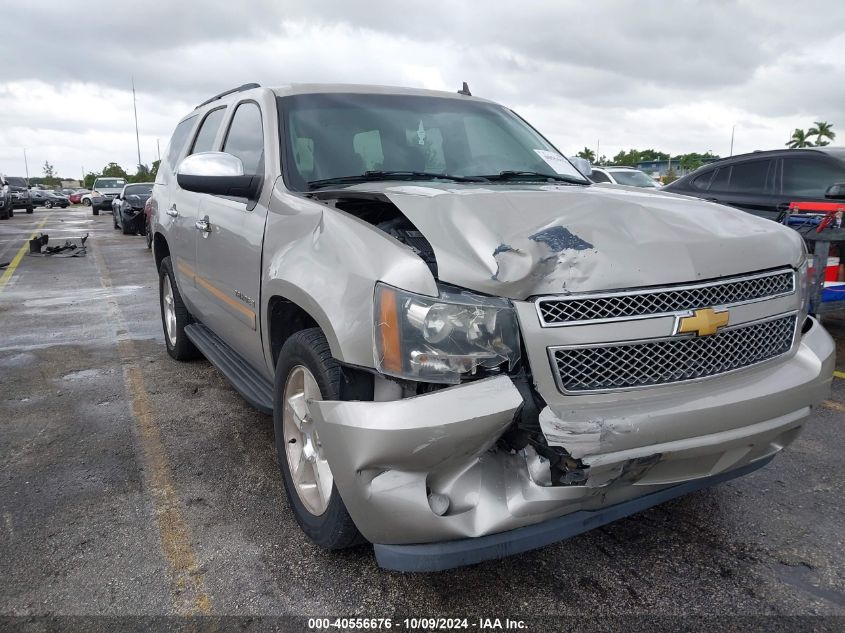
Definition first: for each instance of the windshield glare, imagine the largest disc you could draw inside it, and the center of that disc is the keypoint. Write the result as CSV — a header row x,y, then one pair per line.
x,y
139,190
109,183
633,178
339,135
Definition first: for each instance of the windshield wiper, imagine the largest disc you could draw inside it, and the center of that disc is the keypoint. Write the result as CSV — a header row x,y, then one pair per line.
x,y
536,175
372,176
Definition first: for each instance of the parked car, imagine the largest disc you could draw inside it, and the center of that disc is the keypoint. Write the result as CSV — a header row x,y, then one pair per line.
x,y
764,183
128,208
468,349
105,189
53,199
6,209
148,221
623,176
76,196
18,189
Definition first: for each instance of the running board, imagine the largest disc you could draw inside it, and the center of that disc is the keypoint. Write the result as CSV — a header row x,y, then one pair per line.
x,y
254,387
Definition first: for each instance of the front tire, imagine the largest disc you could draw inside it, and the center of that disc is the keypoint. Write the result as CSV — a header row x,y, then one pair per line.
x,y
86,202
174,315
149,236
94,210
48,204
306,371
30,209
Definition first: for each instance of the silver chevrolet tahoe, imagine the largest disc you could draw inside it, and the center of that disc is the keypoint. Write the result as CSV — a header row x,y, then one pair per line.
x,y
468,349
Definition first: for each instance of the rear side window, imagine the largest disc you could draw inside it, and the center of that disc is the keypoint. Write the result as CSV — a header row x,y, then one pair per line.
x,y
809,177
702,182
721,180
178,141
750,176
245,138
204,142
598,176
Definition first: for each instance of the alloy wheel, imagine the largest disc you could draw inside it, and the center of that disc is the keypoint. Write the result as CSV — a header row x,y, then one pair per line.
x,y
309,470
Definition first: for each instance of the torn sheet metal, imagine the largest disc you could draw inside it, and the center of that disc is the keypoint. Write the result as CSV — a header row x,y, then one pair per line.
x,y
519,241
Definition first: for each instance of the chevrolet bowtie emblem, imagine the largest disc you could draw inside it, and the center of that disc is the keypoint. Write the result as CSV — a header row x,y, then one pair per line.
x,y
704,322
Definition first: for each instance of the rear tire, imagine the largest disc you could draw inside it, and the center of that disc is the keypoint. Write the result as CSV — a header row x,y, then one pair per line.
x,y
95,210
149,236
86,202
334,528
126,229
30,209
174,315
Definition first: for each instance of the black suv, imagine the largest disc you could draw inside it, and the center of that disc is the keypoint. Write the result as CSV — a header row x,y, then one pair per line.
x,y
764,183
16,196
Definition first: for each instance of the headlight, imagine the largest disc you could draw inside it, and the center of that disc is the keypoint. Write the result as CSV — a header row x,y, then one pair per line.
x,y
440,339
803,281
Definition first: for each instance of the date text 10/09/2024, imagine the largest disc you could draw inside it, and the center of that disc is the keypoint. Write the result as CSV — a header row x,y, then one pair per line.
x,y
481,624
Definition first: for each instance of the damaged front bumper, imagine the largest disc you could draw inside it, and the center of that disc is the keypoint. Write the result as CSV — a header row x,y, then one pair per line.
x,y
417,472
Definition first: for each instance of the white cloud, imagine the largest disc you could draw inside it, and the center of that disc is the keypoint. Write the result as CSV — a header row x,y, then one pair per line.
x,y
673,76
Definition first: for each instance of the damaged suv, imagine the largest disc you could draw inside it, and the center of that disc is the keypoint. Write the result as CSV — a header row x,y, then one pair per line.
x,y
468,349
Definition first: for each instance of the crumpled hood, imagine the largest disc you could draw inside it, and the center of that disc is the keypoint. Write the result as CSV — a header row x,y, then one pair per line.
x,y
524,241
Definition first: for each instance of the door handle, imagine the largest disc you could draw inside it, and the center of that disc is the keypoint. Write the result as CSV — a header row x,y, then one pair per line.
x,y
172,212
203,225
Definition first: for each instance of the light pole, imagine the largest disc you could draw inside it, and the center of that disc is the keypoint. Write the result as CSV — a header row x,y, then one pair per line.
x,y
26,165
135,107
733,129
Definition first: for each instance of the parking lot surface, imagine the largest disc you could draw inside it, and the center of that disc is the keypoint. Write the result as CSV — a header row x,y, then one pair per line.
x,y
134,484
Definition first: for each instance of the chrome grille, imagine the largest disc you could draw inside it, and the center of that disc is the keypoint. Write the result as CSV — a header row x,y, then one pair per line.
x,y
660,361
632,304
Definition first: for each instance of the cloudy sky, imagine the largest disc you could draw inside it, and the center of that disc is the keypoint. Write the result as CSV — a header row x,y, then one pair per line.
x,y
675,75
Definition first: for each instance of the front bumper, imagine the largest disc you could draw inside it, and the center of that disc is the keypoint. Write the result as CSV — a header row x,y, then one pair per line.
x,y
388,457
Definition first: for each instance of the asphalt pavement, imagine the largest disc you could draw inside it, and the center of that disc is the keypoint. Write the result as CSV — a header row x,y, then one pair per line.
x,y
131,484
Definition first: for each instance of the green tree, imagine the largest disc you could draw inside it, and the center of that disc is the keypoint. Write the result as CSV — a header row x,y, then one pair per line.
x,y
141,175
800,138
90,177
670,176
113,170
694,160
154,170
587,154
602,160
823,131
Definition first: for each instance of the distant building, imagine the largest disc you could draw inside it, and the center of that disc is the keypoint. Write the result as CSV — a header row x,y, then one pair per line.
x,y
659,168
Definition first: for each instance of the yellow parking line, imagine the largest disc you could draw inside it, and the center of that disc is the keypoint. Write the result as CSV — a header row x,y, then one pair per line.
x,y
10,270
191,597
839,374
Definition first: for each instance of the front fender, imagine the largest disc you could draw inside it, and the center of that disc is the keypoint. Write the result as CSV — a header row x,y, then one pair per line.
x,y
328,262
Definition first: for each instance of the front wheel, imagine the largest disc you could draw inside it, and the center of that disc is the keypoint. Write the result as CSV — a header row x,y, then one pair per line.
x,y
149,236
174,314
48,204
305,372
127,230
86,202
30,209
95,210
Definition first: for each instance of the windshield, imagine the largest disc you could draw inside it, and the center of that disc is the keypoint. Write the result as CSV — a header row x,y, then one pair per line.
x,y
139,190
109,183
328,136
633,177
14,181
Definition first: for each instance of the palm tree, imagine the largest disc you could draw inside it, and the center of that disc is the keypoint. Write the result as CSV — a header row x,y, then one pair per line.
x,y
822,130
799,139
587,154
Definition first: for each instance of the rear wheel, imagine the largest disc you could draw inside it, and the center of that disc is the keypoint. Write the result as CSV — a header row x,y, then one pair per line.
x,y
127,230
30,209
86,202
94,210
174,315
149,236
306,371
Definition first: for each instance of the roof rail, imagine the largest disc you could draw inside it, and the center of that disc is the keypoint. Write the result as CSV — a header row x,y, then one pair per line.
x,y
228,92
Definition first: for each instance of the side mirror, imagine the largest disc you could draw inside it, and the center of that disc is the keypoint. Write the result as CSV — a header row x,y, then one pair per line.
x,y
218,174
582,165
836,191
